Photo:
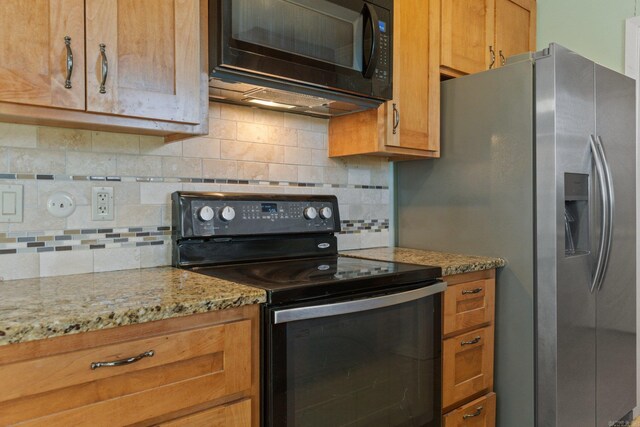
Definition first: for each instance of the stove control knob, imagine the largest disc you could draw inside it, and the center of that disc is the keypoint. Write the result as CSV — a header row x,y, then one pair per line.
x,y
310,213
205,214
227,214
326,212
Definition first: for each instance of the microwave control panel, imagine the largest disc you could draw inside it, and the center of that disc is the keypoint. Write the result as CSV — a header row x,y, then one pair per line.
x,y
383,70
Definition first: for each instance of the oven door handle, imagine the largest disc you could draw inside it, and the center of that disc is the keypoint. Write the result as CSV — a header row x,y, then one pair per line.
x,y
364,304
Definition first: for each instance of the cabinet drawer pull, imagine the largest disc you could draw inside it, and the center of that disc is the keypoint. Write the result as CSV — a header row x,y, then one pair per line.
x,y
67,43
493,57
475,414
396,118
503,60
471,291
473,341
105,67
122,362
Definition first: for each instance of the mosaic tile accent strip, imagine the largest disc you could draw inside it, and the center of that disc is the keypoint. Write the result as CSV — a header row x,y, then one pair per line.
x,y
77,240
363,226
21,176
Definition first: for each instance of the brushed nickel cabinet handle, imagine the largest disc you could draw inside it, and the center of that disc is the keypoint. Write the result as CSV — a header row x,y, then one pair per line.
x,y
471,291
396,118
122,362
503,60
493,57
475,414
105,67
67,43
473,341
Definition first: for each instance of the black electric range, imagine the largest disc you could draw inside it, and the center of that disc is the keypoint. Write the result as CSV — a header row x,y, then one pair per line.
x,y
326,315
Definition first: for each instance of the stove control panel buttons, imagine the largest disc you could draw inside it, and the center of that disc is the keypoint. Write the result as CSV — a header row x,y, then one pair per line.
x,y
227,214
326,212
205,214
310,213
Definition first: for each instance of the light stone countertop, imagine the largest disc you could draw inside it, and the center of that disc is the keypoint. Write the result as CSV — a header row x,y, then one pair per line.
x,y
450,263
32,309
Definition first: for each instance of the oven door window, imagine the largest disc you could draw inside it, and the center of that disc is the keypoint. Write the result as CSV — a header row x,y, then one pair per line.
x,y
372,368
318,30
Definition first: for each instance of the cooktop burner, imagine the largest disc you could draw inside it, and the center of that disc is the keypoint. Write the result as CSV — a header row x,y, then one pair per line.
x,y
301,279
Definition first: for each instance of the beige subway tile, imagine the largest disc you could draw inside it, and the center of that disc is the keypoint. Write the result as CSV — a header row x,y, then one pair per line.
x,y
282,136
381,177
66,262
222,129
214,110
116,259
359,176
155,146
19,266
297,156
37,218
374,240
321,158
108,142
320,125
139,165
246,151
125,193
31,160
311,174
336,175
237,113
23,136
4,160
252,132
201,187
208,148
29,191
219,169
268,117
298,121
181,167
93,164
82,219
64,139
155,255
349,241
279,172
157,193
138,216
314,140
253,171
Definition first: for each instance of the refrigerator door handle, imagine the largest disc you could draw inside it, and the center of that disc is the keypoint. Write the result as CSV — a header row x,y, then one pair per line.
x,y
602,246
610,208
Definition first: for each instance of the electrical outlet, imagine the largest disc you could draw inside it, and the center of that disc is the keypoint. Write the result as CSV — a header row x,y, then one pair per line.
x,y
102,204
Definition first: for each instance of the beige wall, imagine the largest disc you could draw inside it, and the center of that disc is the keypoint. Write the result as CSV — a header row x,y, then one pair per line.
x,y
248,150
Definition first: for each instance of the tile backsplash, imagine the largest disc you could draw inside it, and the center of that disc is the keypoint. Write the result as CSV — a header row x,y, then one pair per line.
x,y
247,150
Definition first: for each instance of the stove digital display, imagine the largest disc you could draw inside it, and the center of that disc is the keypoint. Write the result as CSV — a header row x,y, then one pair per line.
x,y
270,208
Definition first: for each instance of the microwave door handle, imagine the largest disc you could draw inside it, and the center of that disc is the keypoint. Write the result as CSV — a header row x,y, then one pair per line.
x,y
610,209
370,14
604,202
348,307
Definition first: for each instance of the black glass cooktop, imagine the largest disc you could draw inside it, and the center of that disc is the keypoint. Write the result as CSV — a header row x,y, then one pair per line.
x,y
300,279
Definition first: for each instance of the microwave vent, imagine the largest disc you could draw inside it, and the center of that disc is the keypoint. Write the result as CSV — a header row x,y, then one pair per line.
x,y
284,97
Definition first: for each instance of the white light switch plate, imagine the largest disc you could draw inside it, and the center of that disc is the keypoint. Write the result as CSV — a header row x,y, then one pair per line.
x,y
11,203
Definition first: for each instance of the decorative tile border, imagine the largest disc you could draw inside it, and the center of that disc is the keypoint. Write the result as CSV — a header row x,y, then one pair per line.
x,y
363,226
17,242
44,177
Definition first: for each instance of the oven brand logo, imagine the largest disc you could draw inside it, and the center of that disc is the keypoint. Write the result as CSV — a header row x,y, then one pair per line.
x,y
323,267
324,245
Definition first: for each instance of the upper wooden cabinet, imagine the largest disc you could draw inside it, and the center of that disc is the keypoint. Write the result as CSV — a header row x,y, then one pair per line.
x,y
42,53
145,71
407,126
480,34
151,51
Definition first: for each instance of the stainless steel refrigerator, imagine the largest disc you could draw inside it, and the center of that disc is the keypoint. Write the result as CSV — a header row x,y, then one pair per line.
x,y
538,167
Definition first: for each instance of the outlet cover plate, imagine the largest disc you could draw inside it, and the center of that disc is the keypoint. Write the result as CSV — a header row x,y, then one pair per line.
x,y
102,204
61,204
11,201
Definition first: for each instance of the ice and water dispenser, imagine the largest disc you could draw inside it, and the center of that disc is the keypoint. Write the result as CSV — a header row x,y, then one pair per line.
x,y
576,214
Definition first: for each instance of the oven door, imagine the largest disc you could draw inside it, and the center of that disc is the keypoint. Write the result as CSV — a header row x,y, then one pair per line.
x,y
335,44
365,362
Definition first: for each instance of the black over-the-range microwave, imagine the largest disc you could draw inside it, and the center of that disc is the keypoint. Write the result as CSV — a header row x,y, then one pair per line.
x,y
320,57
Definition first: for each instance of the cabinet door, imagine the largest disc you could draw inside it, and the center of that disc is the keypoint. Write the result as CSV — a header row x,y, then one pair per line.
x,y
515,28
151,58
33,53
467,33
413,114
233,415
479,413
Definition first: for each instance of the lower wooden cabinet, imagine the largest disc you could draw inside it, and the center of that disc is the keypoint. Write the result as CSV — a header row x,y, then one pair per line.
x,y
197,370
468,308
479,413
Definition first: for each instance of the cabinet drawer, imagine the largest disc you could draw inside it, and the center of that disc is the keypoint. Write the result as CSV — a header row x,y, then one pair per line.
x,y
236,414
187,368
468,305
479,413
467,366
